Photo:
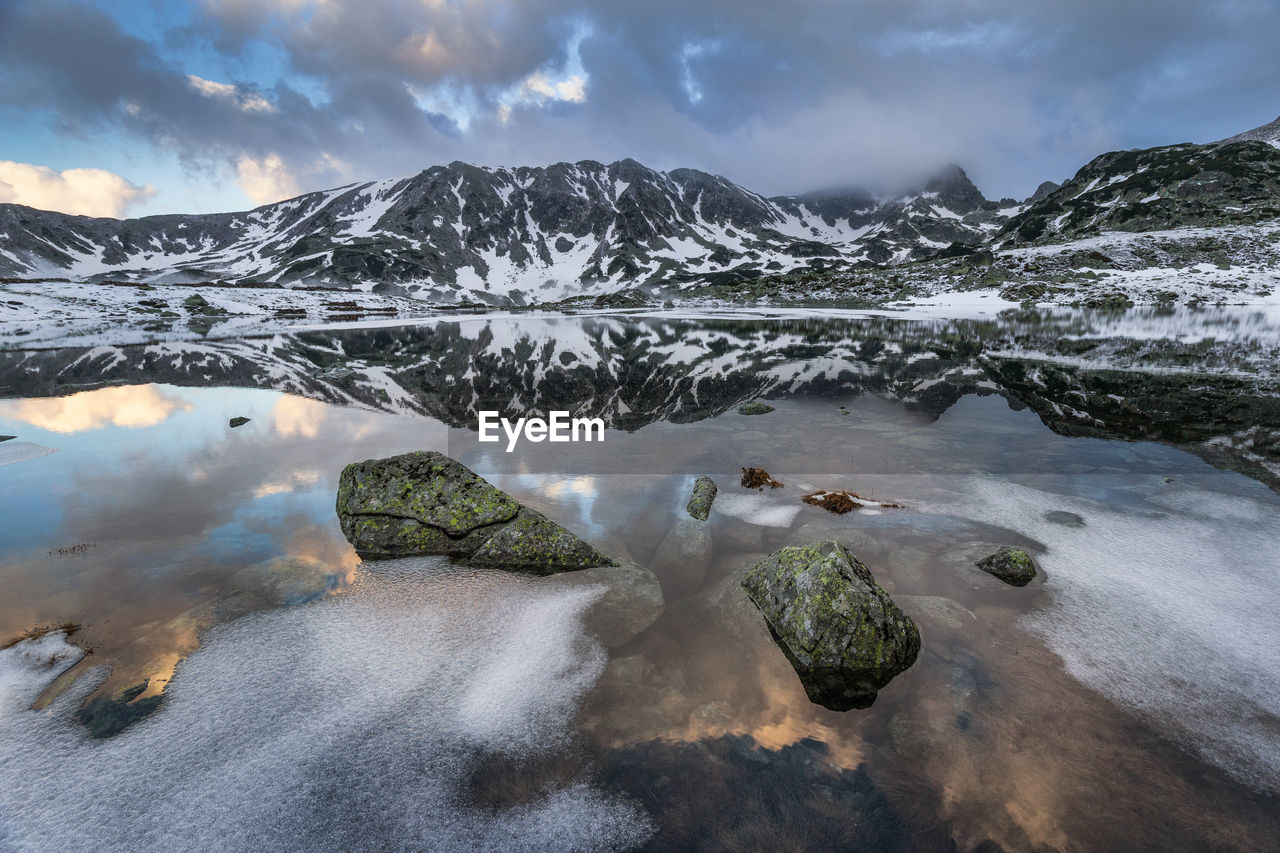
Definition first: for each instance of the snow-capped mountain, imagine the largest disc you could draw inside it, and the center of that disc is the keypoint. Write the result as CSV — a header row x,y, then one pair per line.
x,y
509,236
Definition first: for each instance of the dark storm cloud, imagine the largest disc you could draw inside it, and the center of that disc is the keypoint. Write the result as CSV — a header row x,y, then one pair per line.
x,y
779,96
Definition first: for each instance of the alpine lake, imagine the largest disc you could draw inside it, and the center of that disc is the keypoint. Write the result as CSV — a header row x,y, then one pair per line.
x,y
195,658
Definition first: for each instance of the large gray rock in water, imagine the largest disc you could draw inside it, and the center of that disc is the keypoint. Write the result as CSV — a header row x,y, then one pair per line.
x,y
841,631
425,503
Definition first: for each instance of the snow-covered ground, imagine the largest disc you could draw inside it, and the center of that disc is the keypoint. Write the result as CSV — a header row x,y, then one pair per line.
x,y
1234,265
52,313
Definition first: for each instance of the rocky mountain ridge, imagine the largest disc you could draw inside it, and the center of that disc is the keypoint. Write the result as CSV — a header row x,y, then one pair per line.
x,y
543,235
509,236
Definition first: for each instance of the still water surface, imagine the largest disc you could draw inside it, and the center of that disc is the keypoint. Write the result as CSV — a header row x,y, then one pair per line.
x,y
1129,698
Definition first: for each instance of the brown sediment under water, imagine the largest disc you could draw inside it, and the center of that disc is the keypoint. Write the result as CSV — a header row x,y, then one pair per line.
x,y
1127,698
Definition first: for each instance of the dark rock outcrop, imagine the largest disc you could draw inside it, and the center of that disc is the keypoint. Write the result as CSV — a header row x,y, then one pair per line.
x,y
425,503
755,408
1228,183
842,633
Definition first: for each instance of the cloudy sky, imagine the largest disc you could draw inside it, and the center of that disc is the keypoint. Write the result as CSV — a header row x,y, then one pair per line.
x,y
155,106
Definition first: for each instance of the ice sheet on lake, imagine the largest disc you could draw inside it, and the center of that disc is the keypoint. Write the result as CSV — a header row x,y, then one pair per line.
x,y
21,451
1171,613
758,509
351,723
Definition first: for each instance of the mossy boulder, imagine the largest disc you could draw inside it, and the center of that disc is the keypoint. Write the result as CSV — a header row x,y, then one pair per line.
x,y
1012,565
755,408
532,542
704,493
842,633
425,503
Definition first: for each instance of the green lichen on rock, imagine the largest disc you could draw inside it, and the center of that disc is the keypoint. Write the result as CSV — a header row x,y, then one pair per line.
x,y
704,493
384,537
425,503
534,543
842,633
755,408
426,487
1012,565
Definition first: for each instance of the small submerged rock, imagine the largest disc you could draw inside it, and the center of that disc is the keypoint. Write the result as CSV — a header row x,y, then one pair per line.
x,y
1066,519
424,503
1012,565
684,556
632,601
287,581
842,633
704,494
937,611
755,408
237,422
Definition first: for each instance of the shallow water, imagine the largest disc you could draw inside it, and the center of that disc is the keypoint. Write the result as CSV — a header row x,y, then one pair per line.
x,y
1128,698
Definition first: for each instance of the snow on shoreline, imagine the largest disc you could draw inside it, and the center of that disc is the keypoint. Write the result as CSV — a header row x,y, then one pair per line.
x,y
41,314
94,315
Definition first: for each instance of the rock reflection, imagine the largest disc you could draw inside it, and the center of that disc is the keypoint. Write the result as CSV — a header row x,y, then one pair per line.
x,y
199,537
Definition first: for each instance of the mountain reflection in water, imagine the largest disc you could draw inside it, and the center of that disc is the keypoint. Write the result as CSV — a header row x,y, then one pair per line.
x,y
1014,727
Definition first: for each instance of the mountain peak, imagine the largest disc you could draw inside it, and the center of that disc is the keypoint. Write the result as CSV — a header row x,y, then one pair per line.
x,y
506,235
955,190
1269,133
1043,191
